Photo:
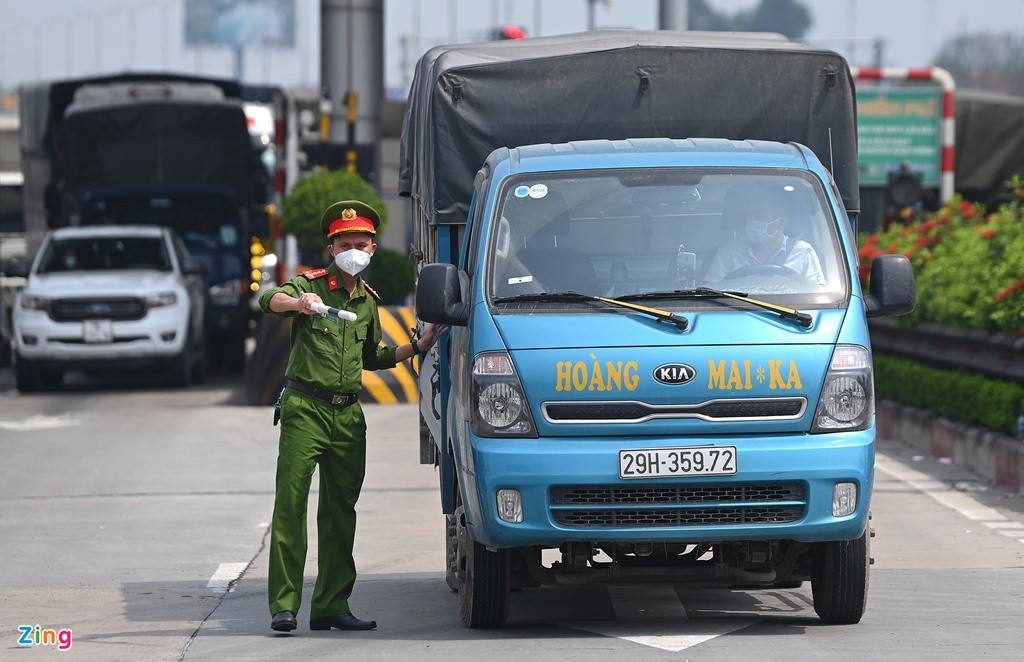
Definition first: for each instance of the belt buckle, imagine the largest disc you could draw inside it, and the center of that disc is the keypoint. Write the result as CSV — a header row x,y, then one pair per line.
x,y
339,399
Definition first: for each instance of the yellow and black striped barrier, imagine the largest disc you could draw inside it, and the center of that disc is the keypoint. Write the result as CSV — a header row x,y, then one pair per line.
x,y
265,372
399,383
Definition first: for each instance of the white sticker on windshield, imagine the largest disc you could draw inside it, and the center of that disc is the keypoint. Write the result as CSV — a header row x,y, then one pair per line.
x,y
538,191
520,279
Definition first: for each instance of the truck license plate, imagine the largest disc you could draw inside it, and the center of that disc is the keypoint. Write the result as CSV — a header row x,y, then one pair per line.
x,y
669,462
97,331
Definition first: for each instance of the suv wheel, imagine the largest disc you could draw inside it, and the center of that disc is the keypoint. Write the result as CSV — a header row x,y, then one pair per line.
x,y
180,373
30,378
25,378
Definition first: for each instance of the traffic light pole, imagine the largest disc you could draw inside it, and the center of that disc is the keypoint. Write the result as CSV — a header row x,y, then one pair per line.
x,y
352,67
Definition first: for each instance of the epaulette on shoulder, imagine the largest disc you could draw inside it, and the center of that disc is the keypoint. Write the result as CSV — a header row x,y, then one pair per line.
x,y
313,274
370,290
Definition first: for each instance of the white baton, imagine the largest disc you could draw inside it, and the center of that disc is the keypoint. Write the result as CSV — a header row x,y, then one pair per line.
x,y
323,309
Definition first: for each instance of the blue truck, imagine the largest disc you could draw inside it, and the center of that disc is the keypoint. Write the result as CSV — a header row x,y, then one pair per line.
x,y
658,368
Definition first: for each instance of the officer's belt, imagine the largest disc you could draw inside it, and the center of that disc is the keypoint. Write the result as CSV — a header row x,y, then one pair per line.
x,y
329,397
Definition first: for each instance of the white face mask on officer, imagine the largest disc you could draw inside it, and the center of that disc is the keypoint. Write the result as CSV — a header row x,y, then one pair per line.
x,y
352,261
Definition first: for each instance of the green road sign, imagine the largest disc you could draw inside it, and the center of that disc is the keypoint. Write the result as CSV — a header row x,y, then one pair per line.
x,y
896,126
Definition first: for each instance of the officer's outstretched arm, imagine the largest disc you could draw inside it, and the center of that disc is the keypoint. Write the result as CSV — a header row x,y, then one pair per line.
x,y
282,303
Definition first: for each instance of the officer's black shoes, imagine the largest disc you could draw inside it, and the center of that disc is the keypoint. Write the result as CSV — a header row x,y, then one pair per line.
x,y
344,621
283,621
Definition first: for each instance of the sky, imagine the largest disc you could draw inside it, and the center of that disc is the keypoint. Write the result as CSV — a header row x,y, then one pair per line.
x,y
46,39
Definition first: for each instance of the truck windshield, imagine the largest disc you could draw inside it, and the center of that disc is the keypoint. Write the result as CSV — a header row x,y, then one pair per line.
x,y
771,234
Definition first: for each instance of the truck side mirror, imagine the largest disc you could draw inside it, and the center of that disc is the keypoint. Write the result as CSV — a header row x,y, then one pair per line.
x,y
893,290
439,296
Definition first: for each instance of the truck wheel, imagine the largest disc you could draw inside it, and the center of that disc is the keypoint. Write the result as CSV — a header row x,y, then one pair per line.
x,y
483,580
839,580
234,354
451,553
201,365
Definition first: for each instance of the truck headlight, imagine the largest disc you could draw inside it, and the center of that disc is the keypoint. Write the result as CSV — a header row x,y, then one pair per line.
x,y
227,293
848,395
499,407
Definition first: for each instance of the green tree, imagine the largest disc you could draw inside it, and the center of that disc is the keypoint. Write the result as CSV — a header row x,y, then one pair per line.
x,y
789,17
701,16
985,61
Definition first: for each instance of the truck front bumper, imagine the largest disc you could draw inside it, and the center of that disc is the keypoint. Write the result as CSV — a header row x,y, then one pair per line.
x,y
571,491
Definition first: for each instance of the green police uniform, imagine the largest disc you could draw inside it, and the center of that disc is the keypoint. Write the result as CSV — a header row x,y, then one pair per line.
x,y
327,354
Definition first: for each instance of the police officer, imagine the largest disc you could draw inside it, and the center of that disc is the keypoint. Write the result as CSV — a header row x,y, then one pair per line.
x,y
322,422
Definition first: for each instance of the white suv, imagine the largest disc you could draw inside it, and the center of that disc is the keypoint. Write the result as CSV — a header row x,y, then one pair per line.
x,y
106,297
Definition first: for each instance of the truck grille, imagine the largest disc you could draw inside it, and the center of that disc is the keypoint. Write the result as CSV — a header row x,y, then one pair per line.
x,y
713,410
678,505
113,308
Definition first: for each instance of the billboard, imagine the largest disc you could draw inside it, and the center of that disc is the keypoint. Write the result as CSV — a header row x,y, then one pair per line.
x,y
897,126
240,23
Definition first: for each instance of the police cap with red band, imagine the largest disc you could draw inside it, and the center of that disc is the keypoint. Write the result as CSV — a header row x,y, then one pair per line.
x,y
349,216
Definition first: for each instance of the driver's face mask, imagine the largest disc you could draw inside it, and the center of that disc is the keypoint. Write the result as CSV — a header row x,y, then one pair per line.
x,y
761,232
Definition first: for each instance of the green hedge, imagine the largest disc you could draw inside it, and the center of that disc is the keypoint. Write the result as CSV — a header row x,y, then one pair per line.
x,y
958,395
969,267
392,275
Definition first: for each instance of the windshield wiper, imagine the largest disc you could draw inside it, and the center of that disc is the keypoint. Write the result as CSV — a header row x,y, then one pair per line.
x,y
802,318
575,297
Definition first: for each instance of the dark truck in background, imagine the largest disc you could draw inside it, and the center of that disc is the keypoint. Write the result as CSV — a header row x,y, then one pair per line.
x,y
160,149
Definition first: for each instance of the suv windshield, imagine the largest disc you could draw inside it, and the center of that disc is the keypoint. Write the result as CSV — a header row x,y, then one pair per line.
x,y
105,254
623,233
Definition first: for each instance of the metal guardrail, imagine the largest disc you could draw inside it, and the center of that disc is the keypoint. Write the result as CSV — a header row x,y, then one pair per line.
x,y
999,356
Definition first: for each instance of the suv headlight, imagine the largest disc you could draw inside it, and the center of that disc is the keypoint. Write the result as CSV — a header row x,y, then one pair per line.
x,y
499,406
227,293
847,400
33,302
161,299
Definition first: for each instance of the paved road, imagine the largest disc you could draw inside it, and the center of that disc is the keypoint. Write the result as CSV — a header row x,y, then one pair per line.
x,y
126,509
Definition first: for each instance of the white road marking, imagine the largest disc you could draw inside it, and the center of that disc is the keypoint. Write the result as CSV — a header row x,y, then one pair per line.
x,y
226,573
1009,528
39,422
962,503
939,491
1004,525
636,603
653,616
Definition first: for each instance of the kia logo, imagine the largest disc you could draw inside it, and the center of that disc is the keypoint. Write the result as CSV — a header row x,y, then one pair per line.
x,y
674,373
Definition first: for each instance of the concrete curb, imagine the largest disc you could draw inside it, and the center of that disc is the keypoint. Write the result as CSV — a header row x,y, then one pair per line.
x,y
991,455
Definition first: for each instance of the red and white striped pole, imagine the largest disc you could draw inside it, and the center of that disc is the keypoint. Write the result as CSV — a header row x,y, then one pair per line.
x,y
945,80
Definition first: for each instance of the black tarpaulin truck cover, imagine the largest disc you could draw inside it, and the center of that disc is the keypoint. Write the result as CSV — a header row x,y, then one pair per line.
x,y
989,144
466,100
48,106
154,143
